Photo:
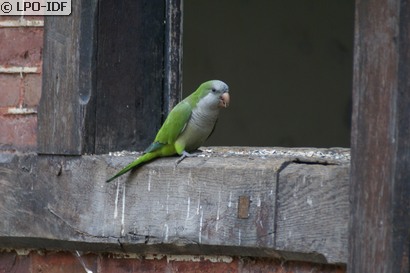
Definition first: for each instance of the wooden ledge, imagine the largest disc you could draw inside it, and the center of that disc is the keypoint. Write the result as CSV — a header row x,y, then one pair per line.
x,y
266,202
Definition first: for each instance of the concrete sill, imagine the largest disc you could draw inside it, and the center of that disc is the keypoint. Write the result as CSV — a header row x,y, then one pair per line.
x,y
264,202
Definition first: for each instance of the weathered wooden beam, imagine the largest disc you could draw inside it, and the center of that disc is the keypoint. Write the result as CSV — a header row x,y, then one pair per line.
x,y
309,197
380,175
193,208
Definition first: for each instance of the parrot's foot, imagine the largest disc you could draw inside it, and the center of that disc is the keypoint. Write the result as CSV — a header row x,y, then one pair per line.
x,y
183,156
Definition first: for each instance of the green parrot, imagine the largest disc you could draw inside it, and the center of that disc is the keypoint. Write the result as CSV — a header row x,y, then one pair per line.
x,y
187,126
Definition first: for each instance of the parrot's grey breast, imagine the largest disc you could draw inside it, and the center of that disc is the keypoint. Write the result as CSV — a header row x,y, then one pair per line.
x,y
201,123
207,111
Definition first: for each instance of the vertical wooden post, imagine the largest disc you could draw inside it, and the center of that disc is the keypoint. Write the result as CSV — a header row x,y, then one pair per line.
x,y
111,72
66,114
173,55
380,173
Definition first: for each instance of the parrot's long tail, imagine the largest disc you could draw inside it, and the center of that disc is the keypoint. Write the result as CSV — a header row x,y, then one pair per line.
x,y
139,161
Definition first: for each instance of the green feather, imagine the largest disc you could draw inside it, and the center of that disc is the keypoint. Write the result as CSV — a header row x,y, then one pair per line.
x,y
174,124
139,161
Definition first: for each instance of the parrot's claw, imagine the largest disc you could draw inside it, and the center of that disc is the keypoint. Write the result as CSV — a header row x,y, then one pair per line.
x,y
183,156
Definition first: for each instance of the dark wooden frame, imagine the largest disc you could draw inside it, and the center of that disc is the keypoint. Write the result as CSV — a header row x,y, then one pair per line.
x,y
110,67
380,166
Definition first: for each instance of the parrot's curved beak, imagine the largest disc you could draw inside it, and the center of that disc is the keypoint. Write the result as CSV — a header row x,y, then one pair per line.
x,y
224,100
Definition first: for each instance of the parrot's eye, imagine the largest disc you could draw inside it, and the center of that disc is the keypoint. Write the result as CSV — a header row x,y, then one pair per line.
x,y
213,90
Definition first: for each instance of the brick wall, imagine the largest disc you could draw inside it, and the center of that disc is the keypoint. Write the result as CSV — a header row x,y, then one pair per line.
x,y
21,44
53,262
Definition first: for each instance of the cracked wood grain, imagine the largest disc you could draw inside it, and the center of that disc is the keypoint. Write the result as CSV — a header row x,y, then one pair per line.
x,y
63,202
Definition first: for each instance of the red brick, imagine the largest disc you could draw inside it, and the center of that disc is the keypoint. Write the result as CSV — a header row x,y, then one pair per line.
x,y
56,262
9,90
205,266
18,17
32,17
262,265
12,262
32,89
62,262
18,132
21,46
121,265
8,18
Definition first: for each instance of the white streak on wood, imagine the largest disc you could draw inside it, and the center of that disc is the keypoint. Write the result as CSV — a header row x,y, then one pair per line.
x,y
166,233
200,225
189,177
188,207
167,202
199,202
116,201
239,237
259,201
123,212
230,200
218,210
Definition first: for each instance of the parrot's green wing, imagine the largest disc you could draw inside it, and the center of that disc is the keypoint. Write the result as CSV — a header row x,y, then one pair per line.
x,y
173,126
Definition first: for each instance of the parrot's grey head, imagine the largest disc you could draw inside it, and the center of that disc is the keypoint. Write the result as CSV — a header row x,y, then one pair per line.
x,y
216,93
